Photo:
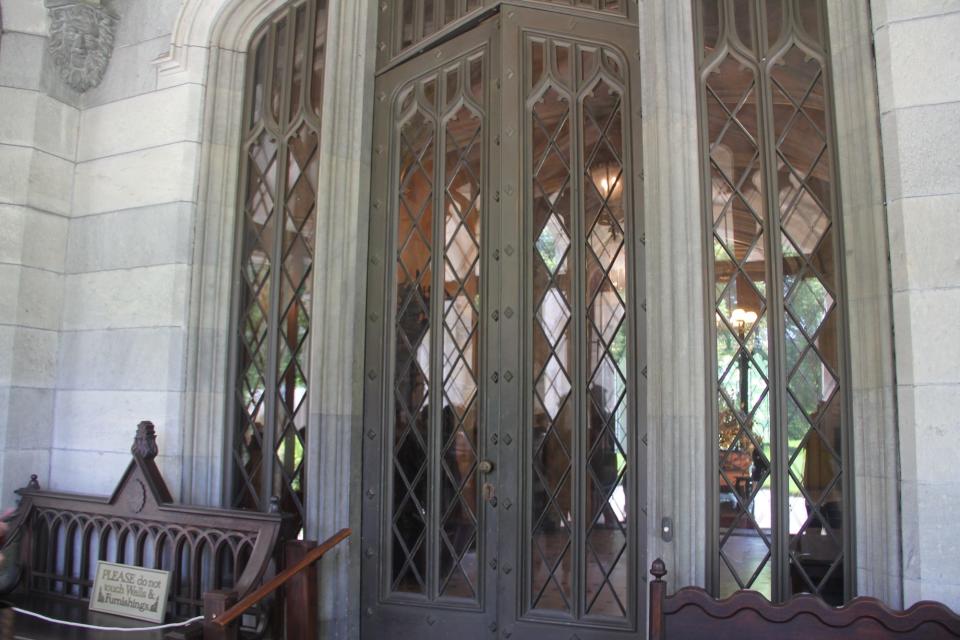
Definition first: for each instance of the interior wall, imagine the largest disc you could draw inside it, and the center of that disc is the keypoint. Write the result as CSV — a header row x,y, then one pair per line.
x,y
919,85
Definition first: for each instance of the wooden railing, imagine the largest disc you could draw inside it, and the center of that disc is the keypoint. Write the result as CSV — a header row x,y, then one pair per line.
x,y
222,609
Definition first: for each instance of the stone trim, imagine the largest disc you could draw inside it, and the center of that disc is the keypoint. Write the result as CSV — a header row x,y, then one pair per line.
x,y
209,46
875,453
339,300
218,33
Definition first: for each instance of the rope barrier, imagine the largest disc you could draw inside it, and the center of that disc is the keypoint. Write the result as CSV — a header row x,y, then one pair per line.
x,y
92,627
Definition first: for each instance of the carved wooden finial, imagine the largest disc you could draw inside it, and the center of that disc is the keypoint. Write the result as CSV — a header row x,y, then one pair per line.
x,y
34,482
145,443
658,569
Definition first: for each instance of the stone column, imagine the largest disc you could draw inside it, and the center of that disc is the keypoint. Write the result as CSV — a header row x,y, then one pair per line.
x,y
336,392
676,346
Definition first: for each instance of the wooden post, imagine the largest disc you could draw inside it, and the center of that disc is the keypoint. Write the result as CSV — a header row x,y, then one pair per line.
x,y
6,622
658,591
300,593
216,603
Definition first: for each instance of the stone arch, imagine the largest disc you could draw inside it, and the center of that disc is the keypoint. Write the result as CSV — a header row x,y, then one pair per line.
x,y
208,47
205,25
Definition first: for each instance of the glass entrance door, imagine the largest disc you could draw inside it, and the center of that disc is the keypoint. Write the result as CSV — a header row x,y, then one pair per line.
x,y
503,424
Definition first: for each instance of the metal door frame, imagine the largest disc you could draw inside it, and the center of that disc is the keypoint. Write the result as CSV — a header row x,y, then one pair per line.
x,y
407,616
517,347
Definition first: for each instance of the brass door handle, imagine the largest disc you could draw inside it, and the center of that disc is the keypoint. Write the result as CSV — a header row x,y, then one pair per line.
x,y
485,466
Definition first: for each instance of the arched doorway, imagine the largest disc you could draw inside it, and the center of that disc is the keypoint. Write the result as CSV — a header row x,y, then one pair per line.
x,y
503,419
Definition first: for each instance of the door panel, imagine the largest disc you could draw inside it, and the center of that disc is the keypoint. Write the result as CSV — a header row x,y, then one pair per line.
x,y
503,429
427,528
573,167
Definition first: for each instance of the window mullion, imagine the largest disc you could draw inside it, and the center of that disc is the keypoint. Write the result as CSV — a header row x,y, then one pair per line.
x,y
437,328
280,219
779,451
578,307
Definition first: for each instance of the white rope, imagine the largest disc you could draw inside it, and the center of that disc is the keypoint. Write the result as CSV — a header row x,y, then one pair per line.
x,y
118,629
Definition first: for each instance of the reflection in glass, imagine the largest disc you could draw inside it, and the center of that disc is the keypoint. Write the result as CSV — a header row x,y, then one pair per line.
x,y
435,521
412,358
751,230
606,294
580,429
740,296
552,354
461,353
804,182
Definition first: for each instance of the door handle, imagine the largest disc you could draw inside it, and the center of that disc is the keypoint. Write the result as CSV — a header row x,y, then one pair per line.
x,y
485,466
490,494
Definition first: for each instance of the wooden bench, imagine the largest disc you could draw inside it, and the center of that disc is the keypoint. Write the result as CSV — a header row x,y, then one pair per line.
x,y
214,555
693,614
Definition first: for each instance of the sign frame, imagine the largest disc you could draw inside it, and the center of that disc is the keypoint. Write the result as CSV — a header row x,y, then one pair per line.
x,y
134,585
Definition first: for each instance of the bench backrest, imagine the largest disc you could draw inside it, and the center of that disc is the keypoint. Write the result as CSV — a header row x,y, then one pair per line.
x,y
62,536
692,614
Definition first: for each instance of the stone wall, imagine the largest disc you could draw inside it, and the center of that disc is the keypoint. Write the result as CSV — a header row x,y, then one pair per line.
x,y
97,196
38,139
127,260
919,85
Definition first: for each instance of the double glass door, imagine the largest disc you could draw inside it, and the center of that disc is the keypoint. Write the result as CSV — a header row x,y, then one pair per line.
x,y
503,429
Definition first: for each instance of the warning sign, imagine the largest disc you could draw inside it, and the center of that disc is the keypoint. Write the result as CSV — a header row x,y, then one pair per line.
x,y
132,592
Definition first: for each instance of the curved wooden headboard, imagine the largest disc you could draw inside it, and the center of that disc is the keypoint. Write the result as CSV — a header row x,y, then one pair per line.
x,y
692,613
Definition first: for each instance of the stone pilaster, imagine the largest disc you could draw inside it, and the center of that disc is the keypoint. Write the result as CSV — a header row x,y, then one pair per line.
x,y
676,357
338,310
876,460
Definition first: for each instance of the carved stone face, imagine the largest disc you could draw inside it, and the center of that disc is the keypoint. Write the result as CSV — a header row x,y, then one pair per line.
x,y
81,42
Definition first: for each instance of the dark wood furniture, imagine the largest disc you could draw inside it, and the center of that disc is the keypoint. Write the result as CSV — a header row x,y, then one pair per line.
x,y
693,614
302,571
59,538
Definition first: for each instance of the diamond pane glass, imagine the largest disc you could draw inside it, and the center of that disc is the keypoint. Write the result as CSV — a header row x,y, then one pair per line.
x,y
606,460
579,550
436,520
730,93
280,166
459,492
806,220
412,371
255,294
551,544
801,295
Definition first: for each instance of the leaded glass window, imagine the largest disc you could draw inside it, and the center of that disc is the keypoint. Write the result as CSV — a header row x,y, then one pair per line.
x,y
277,204
406,25
779,426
